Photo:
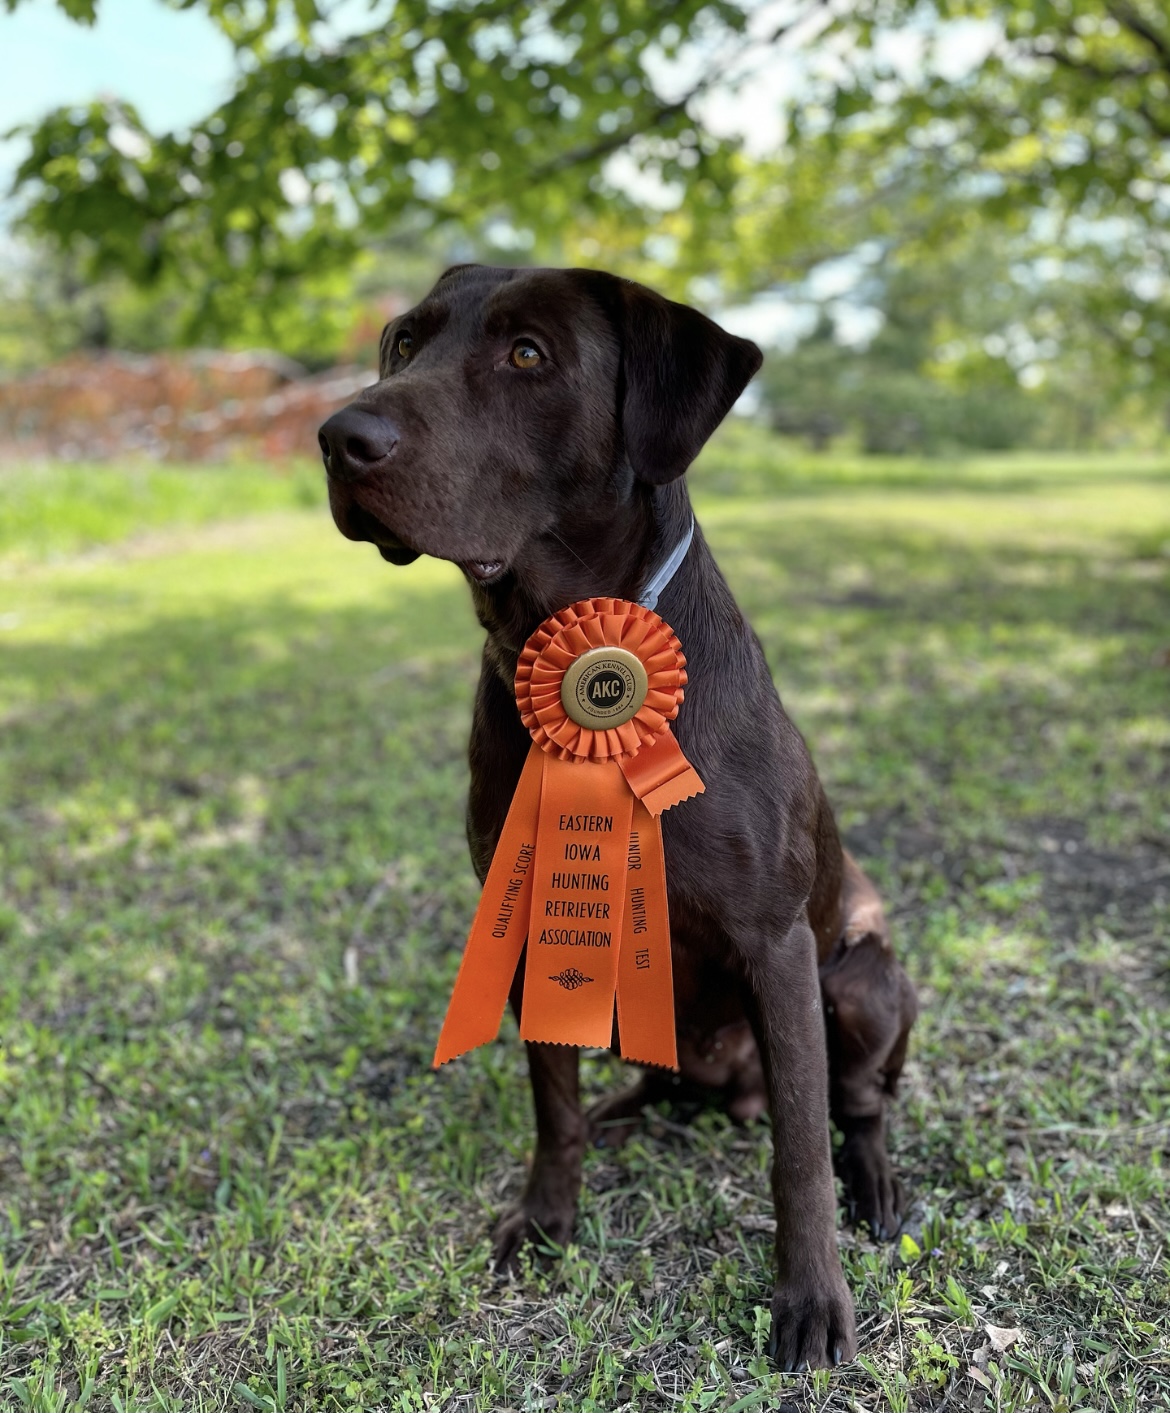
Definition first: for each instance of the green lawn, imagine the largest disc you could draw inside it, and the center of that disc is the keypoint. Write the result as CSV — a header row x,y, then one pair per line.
x,y
234,889
50,509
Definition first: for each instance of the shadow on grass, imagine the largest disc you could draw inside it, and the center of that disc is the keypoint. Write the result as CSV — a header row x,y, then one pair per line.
x,y
743,462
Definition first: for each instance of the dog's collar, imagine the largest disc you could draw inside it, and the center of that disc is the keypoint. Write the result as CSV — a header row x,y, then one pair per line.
x,y
648,598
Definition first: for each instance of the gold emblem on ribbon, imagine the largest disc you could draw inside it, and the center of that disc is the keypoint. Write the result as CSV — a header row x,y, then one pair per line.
x,y
604,688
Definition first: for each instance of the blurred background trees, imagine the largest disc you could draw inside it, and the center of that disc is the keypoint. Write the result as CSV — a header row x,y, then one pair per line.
x,y
958,211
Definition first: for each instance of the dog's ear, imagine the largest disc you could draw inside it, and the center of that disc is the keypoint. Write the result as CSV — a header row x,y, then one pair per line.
x,y
681,373
452,270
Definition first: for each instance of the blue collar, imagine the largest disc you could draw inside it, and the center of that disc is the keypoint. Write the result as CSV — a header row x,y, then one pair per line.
x,y
669,568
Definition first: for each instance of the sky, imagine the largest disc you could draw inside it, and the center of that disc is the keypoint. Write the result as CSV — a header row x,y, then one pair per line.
x,y
173,65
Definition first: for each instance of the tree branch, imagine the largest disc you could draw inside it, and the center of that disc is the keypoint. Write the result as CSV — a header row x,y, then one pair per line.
x,y
1086,66
1134,21
605,147
615,141
782,31
1160,126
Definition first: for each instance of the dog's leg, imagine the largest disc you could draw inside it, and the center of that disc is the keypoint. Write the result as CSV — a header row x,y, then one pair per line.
x,y
812,1310
614,1120
548,1208
869,1008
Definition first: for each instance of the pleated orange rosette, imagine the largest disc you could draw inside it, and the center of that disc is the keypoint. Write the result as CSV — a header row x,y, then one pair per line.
x,y
578,873
555,646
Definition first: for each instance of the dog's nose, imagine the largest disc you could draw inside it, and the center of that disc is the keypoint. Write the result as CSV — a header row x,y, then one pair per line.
x,y
353,441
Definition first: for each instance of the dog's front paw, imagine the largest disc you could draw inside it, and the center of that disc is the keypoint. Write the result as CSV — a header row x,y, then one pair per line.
x,y
545,1228
873,1194
812,1324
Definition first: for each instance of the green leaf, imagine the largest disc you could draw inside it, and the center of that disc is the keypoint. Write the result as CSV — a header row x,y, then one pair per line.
x,y
159,1312
241,1390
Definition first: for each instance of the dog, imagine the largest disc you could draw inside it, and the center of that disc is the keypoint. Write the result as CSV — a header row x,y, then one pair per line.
x,y
533,426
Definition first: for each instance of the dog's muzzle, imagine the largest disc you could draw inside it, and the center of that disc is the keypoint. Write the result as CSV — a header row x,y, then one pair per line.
x,y
355,445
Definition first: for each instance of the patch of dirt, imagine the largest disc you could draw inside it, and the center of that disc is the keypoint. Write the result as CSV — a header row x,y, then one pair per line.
x,y
1082,884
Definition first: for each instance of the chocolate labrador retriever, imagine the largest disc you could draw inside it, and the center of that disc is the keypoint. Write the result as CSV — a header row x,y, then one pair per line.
x,y
533,426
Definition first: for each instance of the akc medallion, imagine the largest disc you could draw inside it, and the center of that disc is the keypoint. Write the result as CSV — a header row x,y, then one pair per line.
x,y
604,687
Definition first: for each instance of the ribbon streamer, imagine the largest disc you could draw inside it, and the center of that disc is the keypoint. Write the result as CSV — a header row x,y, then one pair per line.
x,y
578,873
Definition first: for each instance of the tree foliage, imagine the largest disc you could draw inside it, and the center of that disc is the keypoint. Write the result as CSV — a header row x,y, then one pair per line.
x,y
1060,133
941,371
567,129
464,113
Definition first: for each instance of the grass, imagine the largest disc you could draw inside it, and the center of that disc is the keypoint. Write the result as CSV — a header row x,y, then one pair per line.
x,y
234,888
50,509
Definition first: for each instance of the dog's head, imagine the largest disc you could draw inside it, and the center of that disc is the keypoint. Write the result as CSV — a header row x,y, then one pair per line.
x,y
518,404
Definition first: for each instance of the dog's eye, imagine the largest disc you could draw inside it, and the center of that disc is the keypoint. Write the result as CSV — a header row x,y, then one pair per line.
x,y
525,355
405,345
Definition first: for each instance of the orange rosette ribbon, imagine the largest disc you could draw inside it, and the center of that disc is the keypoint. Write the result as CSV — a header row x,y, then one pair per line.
x,y
578,874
